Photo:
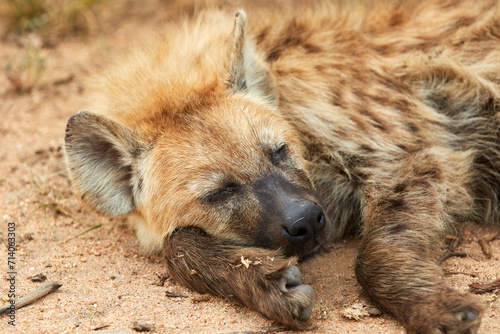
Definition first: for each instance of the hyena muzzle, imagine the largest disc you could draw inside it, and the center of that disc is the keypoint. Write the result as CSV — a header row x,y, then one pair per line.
x,y
238,153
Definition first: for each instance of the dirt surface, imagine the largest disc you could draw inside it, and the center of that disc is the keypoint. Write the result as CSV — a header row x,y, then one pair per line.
x,y
107,284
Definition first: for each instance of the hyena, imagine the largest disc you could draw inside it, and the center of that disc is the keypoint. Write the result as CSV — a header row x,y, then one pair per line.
x,y
239,151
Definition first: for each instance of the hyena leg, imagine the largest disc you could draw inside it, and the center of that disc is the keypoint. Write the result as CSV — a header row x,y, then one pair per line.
x,y
261,279
396,263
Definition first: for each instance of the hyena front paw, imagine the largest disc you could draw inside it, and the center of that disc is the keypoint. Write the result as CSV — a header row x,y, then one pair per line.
x,y
289,284
447,312
283,298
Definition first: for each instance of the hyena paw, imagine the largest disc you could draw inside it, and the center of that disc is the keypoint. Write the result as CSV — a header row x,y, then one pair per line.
x,y
289,284
447,312
281,297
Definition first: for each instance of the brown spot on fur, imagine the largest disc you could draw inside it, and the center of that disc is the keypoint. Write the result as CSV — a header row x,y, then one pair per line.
x,y
391,83
492,106
376,121
362,177
419,183
400,187
360,123
433,173
320,68
294,37
311,48
398,228
396,19
462,22
367,148
291,40
412,127
262,35
379,126
403,147
396,204
438,100
273,55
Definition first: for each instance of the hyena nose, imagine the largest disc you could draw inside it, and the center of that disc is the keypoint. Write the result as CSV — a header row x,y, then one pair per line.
x,y
303,220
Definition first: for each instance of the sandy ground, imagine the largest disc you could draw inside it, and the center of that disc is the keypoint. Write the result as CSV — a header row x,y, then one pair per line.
x,y
107,284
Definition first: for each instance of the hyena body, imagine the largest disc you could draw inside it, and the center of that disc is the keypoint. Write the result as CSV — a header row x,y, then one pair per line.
x,y
238,152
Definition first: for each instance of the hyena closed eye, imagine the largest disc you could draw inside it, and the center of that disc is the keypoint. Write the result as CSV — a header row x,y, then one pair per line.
x,y
237,151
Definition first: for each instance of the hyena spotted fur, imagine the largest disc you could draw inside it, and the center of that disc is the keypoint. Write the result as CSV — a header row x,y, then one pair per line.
x,y
237,151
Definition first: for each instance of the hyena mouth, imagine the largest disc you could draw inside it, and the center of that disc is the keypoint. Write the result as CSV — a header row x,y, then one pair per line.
x,y
308,252
312,248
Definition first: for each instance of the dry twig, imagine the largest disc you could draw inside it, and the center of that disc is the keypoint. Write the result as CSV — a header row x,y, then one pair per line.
x,y
174,295
162,278
32,296
485,243
453,243
449,273
479,288
447,255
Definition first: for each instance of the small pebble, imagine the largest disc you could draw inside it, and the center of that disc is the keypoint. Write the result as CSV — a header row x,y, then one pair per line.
x,y
373,311
142,326
38,278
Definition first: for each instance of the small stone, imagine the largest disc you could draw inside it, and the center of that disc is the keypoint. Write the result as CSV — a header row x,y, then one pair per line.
x,y
201,298
29,236
373,311
38,278
142,326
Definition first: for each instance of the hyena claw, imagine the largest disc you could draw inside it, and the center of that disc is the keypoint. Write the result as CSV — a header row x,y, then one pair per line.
x,y
290,283
446,312
466,316
306,295
291,278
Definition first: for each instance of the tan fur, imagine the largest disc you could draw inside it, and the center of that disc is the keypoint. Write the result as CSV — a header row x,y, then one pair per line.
x,y
386,116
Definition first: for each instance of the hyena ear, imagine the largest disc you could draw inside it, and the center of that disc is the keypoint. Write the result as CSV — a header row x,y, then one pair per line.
x,y
99,155
247,73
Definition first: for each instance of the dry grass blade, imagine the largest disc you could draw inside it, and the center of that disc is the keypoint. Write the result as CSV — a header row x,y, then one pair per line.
x,y
82,233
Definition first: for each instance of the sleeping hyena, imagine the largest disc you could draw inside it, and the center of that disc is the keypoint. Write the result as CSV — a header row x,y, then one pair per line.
x,y
239,151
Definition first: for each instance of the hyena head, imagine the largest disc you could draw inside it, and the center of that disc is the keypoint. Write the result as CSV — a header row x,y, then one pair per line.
x,y
206,149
